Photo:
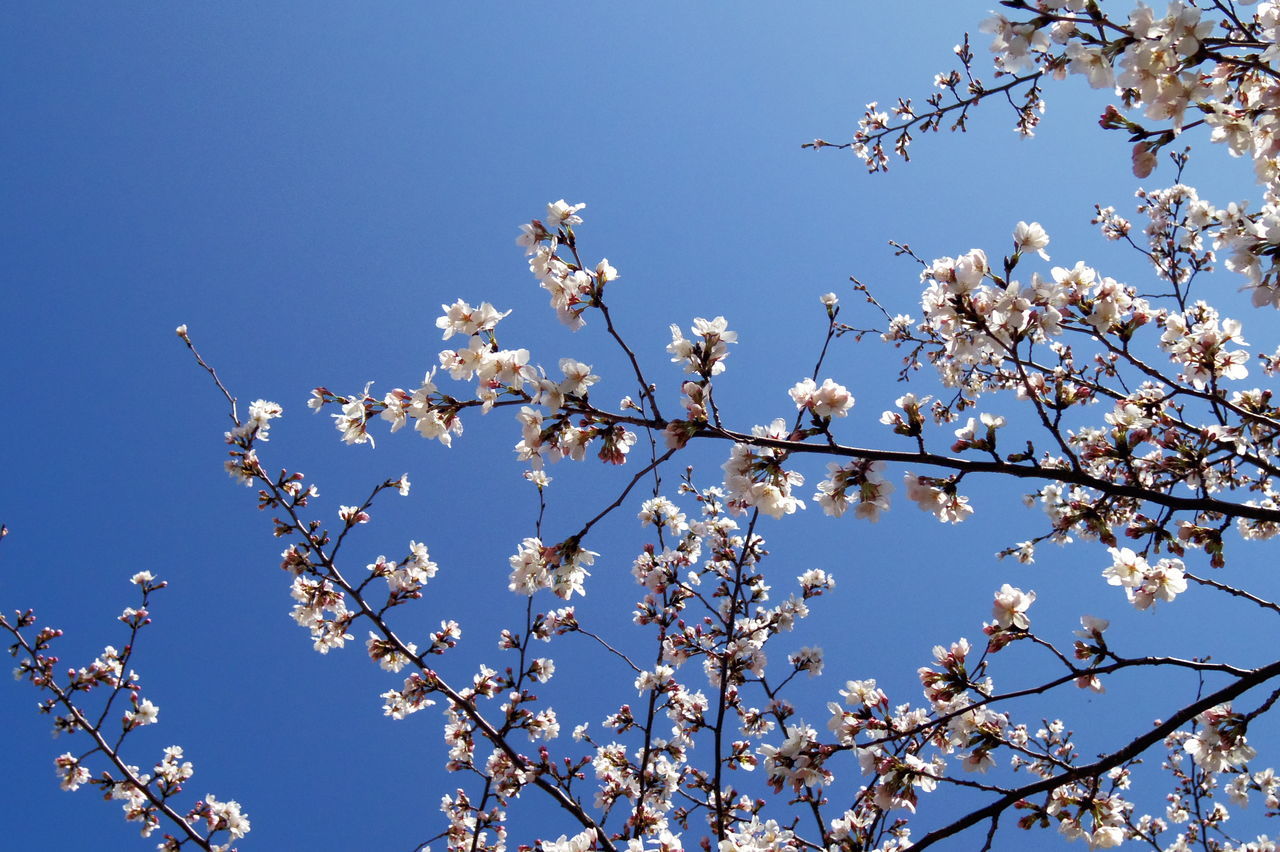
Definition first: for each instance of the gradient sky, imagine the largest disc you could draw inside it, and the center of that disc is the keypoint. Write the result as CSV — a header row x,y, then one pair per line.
x,y
304,184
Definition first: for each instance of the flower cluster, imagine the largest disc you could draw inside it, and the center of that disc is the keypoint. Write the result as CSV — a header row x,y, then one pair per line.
x,y
573,289
1173,446
1220,742
561,568
863,481
705,353
754,476
822,401
710,605
1143,583
1180,69
146,798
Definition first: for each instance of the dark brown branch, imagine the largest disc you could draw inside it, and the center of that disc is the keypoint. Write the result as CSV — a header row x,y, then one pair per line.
x,y
933,114
94,733
1116,758
1019,471
1048,474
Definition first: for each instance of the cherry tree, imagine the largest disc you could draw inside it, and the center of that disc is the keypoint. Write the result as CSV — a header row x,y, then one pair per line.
x,y
1145,434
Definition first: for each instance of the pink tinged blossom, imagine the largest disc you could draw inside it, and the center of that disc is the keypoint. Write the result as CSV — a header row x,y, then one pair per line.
x,y
570,574
844,725
911,424
694,401
315,599
461,318
677,433
756,836
825,401
261,413
394,413
542,669
754,477
1197,341
1144,160
616,444
1163,581
1265,294
1031,238
443,639
605,272
923,495
795,763
531,234
508,368
874,499
70,773
351,422
970,269
1127,569
1220,743
538,477
172,768
661,512
464,364
433,425
560,214
808,659
577,377
1025,552
352,515
899,328
860,484
143,713
970,436
1089,681
863,693
656,679
773,500
387,655
978,761
1238,790
1092,62
947,506
1091,627
659,841
704,357
581,842
226,816
529,568
1015,44
1010,607
571,292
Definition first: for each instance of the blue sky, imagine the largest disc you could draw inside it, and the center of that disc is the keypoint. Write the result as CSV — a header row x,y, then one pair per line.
x,y
304,184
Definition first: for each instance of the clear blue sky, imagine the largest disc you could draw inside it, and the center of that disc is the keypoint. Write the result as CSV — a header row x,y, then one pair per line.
x,y
304,184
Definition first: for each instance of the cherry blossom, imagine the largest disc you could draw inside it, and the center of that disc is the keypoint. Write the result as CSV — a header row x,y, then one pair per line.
x,y
1130,409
